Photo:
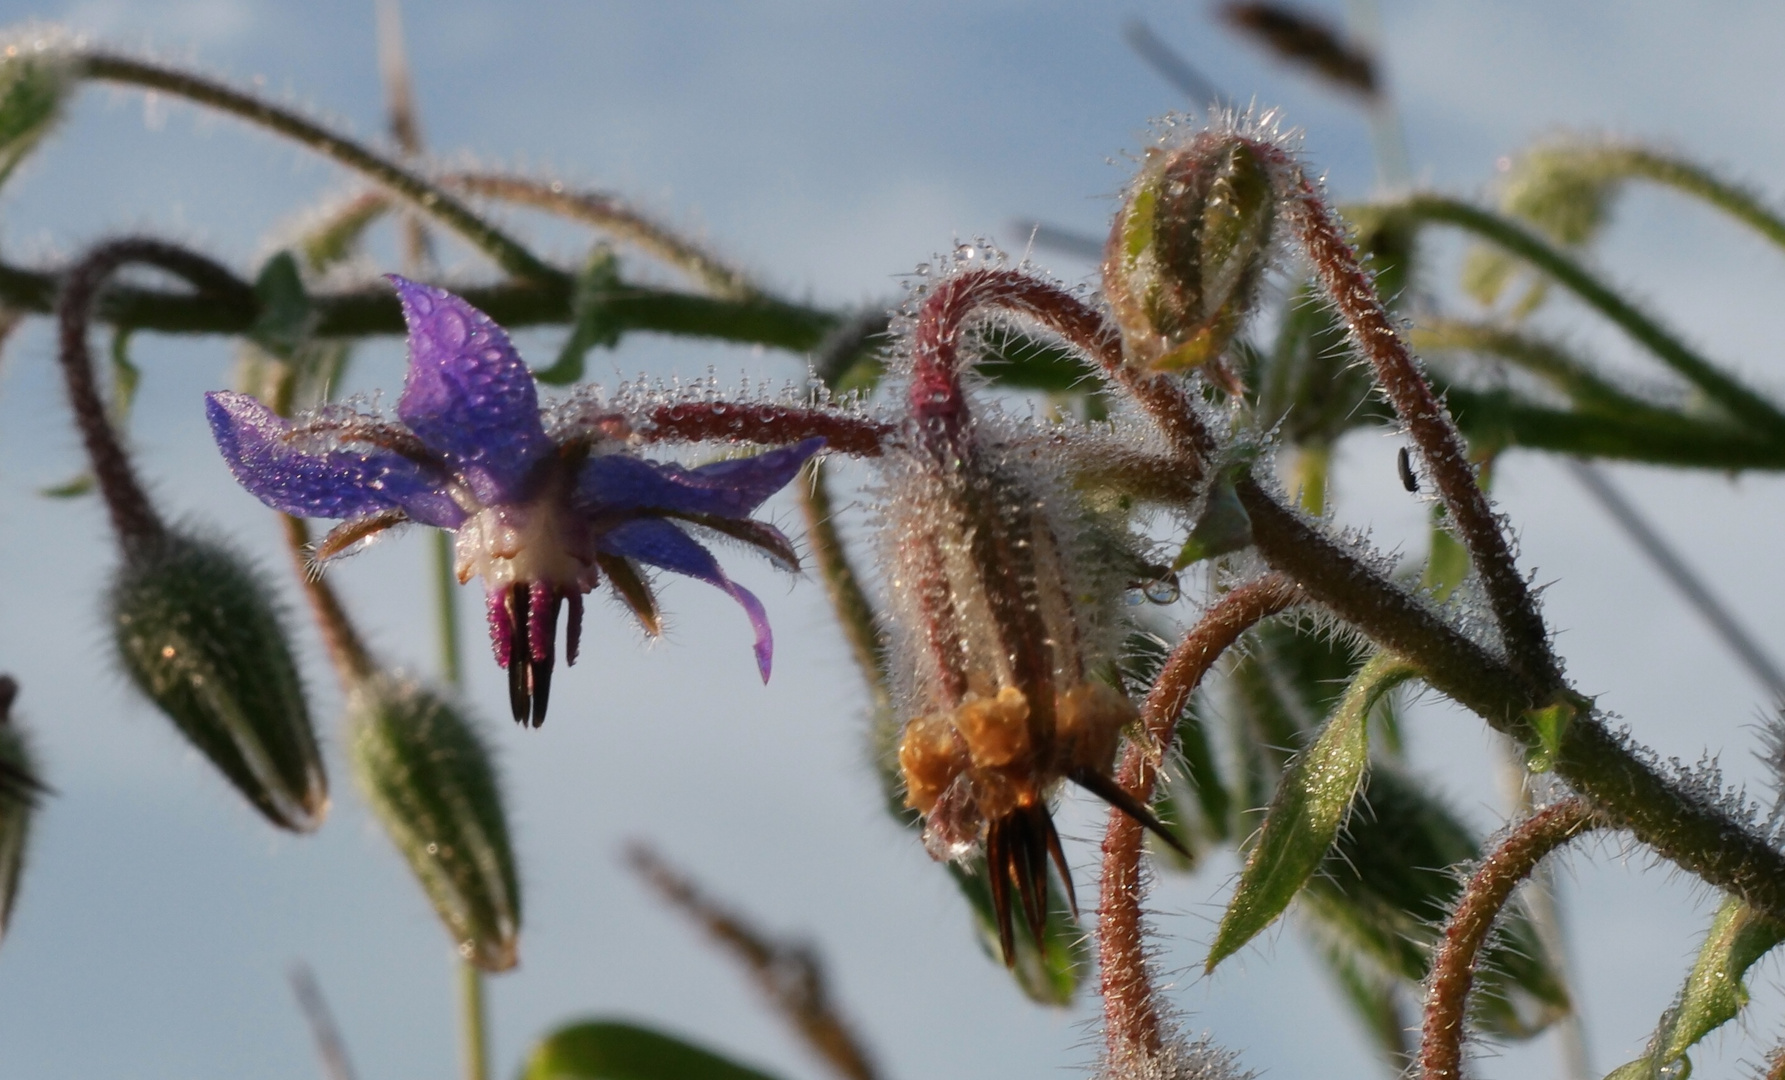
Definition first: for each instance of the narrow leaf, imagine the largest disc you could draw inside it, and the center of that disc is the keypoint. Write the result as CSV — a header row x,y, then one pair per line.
x,y
613,1050
1713,993
1306,811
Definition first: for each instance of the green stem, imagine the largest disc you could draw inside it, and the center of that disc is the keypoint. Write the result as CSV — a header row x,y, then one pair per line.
x,y
1742,403
444,208
473,1022
446,612
1545,359
1637,162
1501,418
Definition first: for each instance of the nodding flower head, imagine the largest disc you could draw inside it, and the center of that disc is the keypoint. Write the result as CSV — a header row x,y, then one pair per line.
x,y
1187,250
1006,588
539,517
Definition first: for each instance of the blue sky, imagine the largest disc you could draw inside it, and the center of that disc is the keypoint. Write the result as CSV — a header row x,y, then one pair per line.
x,y
828,148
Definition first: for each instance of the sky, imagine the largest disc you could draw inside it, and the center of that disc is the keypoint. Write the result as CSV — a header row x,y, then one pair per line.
x,y
829,149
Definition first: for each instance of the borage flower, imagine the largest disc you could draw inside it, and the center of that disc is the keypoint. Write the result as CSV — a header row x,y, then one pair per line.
x,y
539,518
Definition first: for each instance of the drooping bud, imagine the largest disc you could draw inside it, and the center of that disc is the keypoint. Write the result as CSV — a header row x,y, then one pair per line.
x,y
431,779
34,82
1187,250
200,635
19,792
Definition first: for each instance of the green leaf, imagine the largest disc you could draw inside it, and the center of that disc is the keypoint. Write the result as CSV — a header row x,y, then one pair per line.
x,y
591,325
1222,527
286,314
72,488
1049,974
615,1050
1306,812
1549,724
1713,993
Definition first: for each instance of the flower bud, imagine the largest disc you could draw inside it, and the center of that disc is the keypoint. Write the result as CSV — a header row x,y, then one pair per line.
x,y
429,776
34,82
1187,250
19,790
200,635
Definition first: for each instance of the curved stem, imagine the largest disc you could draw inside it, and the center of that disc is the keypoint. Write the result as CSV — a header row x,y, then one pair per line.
x,y
1495,418
1130,1013
1741,402
133,516
1485,894
1617,162
612,215
442,207
1353,294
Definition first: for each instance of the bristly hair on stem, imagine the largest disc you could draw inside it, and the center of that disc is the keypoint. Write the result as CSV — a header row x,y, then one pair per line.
x,y
1484,895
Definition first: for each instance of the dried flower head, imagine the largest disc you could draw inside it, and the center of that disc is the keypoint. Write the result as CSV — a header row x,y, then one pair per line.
x,y
1006,587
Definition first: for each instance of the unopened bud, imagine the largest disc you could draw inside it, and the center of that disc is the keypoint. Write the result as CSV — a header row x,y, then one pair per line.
x,y
1187,250
19,791
429,776
201,636
34,82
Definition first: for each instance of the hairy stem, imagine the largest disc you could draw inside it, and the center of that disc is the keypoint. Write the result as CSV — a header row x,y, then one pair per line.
x,y
694,421
1744,404
1353,293
442,207
612,215
1130,1013
1643,163
346,649
133,516
1484,895
855,612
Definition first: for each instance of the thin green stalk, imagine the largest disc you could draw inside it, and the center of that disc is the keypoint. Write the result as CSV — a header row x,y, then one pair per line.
x,y
1502,418
1742,403
473,1023
1643,163
429,199
1545,359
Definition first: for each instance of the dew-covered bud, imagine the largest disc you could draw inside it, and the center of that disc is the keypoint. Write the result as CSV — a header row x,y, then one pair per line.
x,y
35,78
20,788
429,776
200,635
1187,250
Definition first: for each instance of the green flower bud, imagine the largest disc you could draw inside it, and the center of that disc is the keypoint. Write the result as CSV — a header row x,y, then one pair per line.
x,y
430,777
1187,250
19,789
200,634
34,81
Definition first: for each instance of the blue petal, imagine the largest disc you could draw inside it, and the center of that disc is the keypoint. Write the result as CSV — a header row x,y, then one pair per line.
x,y
660,544
468,394
323,484
727,488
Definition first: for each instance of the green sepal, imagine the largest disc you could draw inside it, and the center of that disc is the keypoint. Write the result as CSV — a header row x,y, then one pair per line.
x,y
1222,527
590,324
615,1050
286,313
1549,725
1713,994
1307,810
1048,974
199,633
431,779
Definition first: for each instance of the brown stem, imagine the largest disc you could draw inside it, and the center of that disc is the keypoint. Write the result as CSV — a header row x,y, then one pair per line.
x,y
1130,1015
612,214
133,516
1485,894
351,659
1353,292
695,421
788,974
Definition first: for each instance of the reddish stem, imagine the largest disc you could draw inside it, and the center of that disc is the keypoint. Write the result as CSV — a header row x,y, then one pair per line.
x,y
935,376
695,421
1487,891
346,650
1352,290
1130,1015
